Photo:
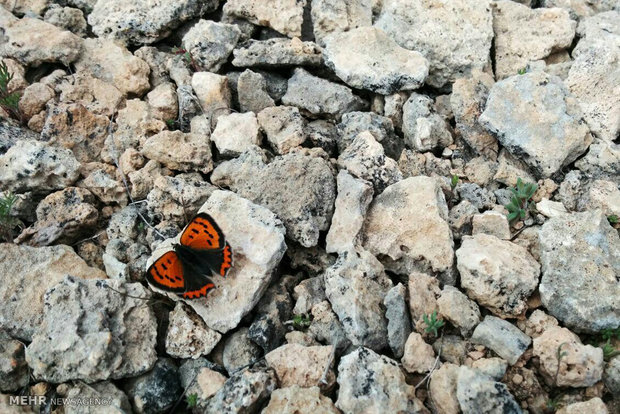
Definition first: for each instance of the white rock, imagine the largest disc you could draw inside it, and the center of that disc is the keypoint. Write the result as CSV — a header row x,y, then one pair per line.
x,y
284,16
212,91
235,133
284,127
550,208
299,400
329,16
210,43
303,366
491,222
423,128
188,336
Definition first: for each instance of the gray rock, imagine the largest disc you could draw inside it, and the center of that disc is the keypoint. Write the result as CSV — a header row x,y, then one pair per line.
x,y
493,367
13,368
379,126
455,37
33,271
320,97
479,393
602,161
399,324
460,218
299,188
325,326
423,128
366,159
580,256
322,134
244,392
307,293
141,22
456,307
187,335
611,375
189,106
498,274
239,351
546,139
594,73
374,383
34,165
480,197
502,337
10,134
354,196
117,400
252,92
284,127
284,16
210,43
66,18
277,52
366,58
90,332
356,286
330,16
157,390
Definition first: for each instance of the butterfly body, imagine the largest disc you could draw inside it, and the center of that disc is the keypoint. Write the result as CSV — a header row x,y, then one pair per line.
x,y
201,252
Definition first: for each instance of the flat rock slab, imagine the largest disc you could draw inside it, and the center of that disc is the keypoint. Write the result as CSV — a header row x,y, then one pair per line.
x,y
502,337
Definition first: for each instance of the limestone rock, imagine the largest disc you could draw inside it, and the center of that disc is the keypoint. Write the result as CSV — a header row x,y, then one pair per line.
x,y
423,128
67,18
498,274
212,91
458,309
404,244
455,37
546,139
399,323
479,393
537,323
419,356
366,58
284,127
236,133
443,389
180,151
502,337
239,351
244,392
277,52
34,98
252,92
580,256
381,128
117,400
13,368
593,406
210,43
334,16
295,399
164,102
284,16
302,366
91,333
188,336
493,223
299,188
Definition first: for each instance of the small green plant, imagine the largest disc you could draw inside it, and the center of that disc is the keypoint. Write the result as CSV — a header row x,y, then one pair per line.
x,y
522,71
613,219
454,181
301,322
171,123
610,333
553,404
520,200
8,223
8,101
191,400
609,351
432,323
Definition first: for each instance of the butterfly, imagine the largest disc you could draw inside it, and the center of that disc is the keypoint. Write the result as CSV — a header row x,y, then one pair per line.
x,y
202,251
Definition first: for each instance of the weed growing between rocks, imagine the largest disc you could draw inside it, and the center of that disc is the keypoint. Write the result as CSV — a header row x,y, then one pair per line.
x,y
520,205
8,222
9,101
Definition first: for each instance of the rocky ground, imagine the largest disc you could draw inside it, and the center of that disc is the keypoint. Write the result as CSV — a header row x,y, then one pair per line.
x,y
360,157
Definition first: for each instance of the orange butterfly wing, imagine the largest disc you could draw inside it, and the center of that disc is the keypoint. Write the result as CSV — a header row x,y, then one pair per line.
x,y
227,260
166,273
198,293
202,233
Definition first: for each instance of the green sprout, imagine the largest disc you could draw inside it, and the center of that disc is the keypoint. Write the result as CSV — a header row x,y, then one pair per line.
x,y
609,351
7,221
8,101
610,333
170,123
520,200
522,71
613,219
191,400
432,323
454,181
301,322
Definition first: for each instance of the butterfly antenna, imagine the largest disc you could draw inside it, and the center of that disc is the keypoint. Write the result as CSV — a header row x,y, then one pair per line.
x,y
138,297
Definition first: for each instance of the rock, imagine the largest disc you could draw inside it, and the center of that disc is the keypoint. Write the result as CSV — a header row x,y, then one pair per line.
x,y
13,368
492,223
301,338
313,260
480,197
22,7
98,96
423,128
331,16
299,188
366,58
104,187
113,63
406,245
277,52
284,16
537,323
236,133
180,151
209,382
31,41
498,274
67,18
178,198
399,323
34,270
244,392
92,333
455,37
510,169
157,390
164,102
548,140
479,393
212,91
188,336
295,399
365,159
580,256
611,376
603,195
143,23
550,208
257,240
356,286
252,92
307,293
460,217
595,66
239,351
284,127
34,98
602,161
502,337
580,366
302,365
210,43
117,401
523,35
325,326
593,406
442,389
64,217
468,100
373,383
320,97
493,367
34,165
419,356
381,128
458,309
